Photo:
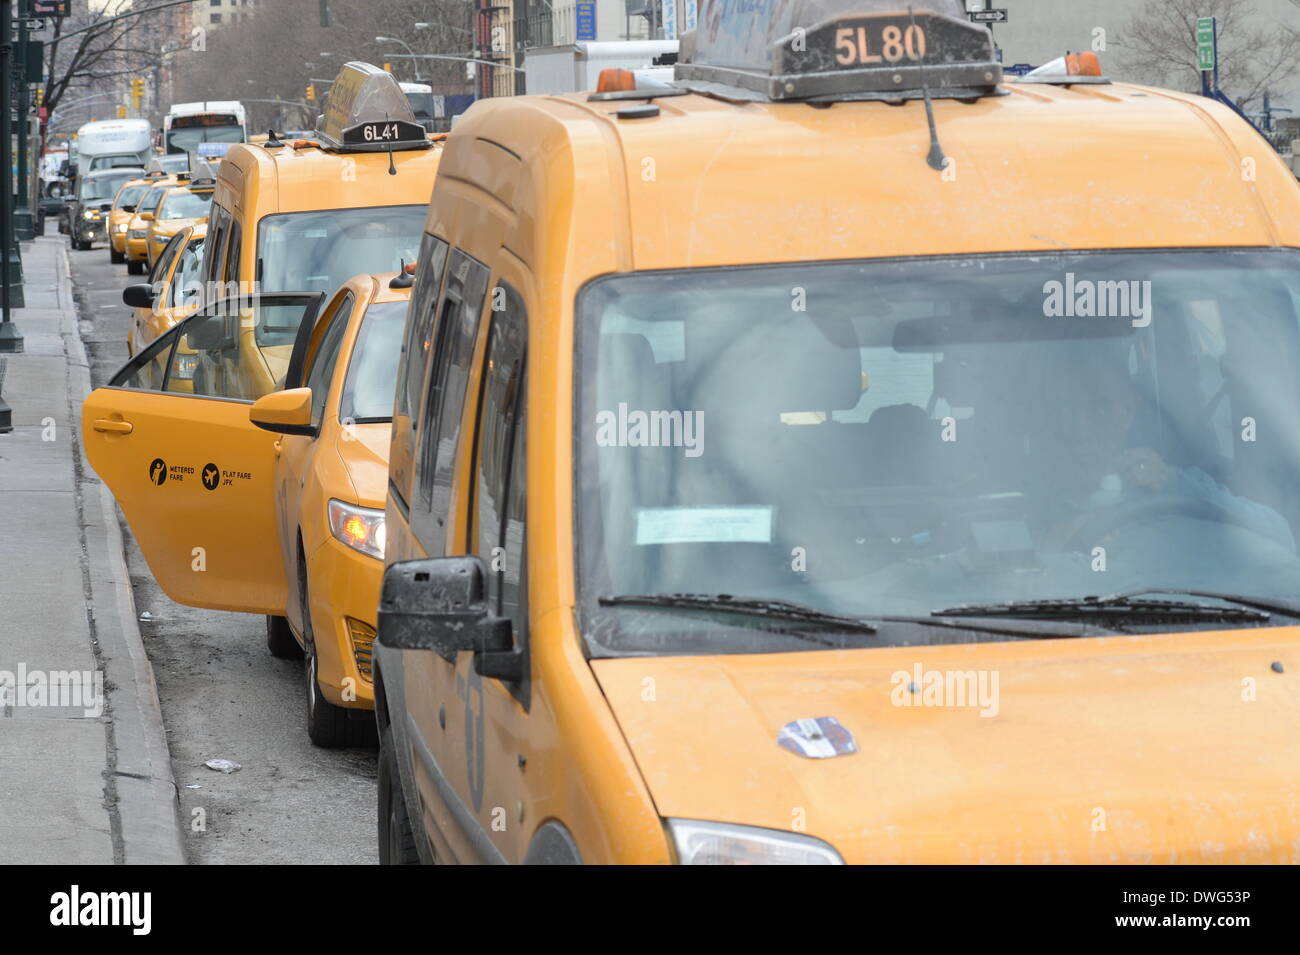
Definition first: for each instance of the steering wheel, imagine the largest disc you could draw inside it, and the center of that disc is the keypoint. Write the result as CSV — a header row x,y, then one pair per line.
x,y
1146,509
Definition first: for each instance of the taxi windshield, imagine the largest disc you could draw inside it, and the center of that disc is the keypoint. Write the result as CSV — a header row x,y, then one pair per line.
x,y
151,199
368,391
319,251
901,437
187,205
129,196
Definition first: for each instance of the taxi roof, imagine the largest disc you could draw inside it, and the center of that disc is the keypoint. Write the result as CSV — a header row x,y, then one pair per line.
x,y
1034,168
291,178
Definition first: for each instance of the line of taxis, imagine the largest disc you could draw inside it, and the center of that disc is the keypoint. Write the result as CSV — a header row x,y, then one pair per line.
x,y
837,455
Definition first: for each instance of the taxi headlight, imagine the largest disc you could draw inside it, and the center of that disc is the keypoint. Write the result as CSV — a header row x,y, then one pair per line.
x,y
720,843
361,528
120,227
161,238
136,234
90,214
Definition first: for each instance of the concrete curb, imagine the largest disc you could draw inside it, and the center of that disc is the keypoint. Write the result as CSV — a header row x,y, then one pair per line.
x,y
139,761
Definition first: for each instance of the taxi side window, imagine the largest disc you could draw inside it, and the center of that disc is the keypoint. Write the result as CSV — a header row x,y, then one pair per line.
x,y
419,325
321,372
218,223
230,272
458,320
163,263
499,470
184,285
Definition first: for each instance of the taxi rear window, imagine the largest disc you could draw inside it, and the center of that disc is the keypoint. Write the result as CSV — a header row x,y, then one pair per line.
x,y
320,250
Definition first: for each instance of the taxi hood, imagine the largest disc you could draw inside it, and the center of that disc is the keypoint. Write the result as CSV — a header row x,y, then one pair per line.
x,y
1131,749
363,449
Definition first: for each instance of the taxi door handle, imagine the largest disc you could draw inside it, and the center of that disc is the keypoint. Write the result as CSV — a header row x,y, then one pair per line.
x,y
113,426
277,447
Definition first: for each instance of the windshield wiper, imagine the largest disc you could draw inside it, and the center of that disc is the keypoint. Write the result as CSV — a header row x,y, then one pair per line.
x,y
1118,607
766,608
1268,604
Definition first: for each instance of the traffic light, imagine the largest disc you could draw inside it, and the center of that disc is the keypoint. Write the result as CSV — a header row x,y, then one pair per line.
x,y
137,92
388,67
40,96
311,92
121,112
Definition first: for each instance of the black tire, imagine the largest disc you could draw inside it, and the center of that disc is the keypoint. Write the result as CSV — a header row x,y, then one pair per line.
x,y
116,257
396,839
80,246
280,639
135,268
328,726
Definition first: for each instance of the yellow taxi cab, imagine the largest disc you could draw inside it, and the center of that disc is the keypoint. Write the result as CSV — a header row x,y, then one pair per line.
x,y
137,230
184,393
773,481
172,291
313,491
120,216
180,206
306,215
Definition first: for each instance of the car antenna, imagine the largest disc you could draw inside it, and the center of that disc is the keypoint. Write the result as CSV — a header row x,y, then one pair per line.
x,y
937,160
392,167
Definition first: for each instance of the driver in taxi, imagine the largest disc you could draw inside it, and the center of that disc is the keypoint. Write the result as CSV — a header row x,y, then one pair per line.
x,y
1097,471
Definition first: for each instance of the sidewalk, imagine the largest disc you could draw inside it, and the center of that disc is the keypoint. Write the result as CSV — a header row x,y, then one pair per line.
x,y
76,785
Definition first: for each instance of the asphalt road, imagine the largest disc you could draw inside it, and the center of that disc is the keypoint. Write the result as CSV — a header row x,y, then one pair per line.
x,y
224,696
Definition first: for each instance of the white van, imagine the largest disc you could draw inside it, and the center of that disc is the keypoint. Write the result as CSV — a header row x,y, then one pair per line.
x,y
114,142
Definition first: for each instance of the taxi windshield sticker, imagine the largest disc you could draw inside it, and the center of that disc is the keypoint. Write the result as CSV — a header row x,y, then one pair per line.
x,y
704,525
822,737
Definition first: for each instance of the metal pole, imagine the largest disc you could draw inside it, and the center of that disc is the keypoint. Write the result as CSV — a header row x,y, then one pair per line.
x,y
10,339
22,212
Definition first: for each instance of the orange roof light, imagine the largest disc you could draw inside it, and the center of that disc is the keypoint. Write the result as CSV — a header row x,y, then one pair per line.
x,y
613,79
1083,64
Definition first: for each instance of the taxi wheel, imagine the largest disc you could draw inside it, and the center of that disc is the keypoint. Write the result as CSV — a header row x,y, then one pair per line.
x,y
116,257
80,246
135,268
280,639
328,726
396,841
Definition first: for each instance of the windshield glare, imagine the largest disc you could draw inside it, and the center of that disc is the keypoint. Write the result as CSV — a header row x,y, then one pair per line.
x,y
900,437
129,195
187,205
102,187
319,251
368,390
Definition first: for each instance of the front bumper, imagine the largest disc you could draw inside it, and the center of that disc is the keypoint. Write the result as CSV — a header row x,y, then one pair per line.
x,y
136,250
344,584
89,230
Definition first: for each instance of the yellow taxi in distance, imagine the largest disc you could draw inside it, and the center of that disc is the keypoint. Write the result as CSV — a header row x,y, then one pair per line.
x,y
307,215
172,291
137,231
179,207
775,481
119,218
314,491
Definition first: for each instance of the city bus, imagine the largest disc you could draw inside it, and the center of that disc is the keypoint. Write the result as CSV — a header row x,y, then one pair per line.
x,y
212,121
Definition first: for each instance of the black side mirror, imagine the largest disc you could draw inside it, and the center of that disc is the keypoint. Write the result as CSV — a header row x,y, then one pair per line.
x,y
128,208
438,604
138,296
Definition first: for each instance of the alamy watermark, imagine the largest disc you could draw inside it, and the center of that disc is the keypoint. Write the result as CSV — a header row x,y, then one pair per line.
x,y
948,688
1086,298
633,428
65,689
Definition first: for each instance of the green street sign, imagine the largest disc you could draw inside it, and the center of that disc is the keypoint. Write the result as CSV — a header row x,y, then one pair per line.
x,y
1205,45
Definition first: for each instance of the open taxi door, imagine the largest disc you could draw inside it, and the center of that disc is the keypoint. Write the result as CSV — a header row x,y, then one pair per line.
x,y
170,435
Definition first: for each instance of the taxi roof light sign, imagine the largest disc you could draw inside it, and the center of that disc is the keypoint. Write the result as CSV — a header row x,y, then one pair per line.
x,y
367,111
825,50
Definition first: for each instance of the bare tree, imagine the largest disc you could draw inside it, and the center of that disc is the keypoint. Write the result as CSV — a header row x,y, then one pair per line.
x,y
1254,52
274,53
